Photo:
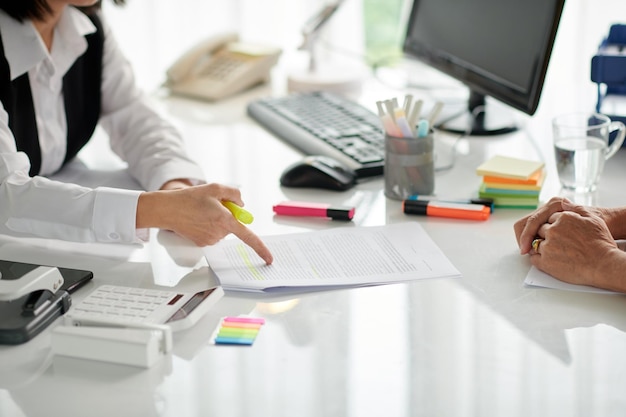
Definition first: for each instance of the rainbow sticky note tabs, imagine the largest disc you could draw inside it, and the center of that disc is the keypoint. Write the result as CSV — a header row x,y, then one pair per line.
x,y
238,330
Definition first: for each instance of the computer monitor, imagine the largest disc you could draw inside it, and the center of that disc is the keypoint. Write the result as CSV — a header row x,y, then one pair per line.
x,y
498,48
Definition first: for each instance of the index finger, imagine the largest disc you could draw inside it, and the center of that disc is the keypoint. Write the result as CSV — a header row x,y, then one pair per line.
x,y
227,193
248,237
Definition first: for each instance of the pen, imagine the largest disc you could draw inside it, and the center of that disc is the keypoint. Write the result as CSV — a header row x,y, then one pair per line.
x,y
394,102
402,123
389,105
389,125
240,214
488,202
300,208
415,113
422,128
408,100
443,209
434,113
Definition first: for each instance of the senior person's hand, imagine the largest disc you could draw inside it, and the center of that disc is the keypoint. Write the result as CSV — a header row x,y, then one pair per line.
x,y
527,227
573,244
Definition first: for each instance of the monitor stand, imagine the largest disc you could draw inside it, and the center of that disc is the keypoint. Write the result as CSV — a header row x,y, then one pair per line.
x,y
480,119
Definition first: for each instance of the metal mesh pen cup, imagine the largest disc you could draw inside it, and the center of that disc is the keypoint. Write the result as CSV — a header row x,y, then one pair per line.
x,y
409,166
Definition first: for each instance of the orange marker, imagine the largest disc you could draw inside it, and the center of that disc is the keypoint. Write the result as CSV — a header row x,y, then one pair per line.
x,y
445,209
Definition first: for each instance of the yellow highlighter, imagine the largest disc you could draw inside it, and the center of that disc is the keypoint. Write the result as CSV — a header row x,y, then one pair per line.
x,y
240,214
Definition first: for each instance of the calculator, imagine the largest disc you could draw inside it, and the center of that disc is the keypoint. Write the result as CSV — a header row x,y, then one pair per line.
x,y
119,305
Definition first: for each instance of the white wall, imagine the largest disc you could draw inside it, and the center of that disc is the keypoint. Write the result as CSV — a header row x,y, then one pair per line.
x,y
154,32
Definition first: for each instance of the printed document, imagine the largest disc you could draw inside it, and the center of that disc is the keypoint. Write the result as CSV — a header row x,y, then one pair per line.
x,y
339,257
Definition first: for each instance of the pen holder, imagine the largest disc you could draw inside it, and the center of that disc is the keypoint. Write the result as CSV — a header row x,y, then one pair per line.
x,y
409,166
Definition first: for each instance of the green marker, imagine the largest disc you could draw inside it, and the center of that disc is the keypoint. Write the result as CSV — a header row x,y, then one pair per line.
x,y
240,214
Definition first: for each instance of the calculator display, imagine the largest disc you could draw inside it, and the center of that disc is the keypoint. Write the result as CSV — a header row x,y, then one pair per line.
x,y
190,305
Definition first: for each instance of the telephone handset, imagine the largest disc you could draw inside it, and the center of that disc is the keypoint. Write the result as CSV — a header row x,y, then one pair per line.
x,y
221,66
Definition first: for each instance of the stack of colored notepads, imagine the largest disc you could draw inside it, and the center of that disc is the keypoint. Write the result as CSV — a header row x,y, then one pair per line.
x,y
512,182
238,330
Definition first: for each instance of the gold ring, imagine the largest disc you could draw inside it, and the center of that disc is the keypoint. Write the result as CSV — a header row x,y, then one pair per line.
x,y
536,244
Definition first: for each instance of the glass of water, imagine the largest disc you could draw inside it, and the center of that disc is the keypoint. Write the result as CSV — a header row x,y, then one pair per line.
x,y
581,146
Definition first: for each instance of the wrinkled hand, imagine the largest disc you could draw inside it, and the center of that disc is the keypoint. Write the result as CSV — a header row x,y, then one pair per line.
x,y
198,214
576,243
527,228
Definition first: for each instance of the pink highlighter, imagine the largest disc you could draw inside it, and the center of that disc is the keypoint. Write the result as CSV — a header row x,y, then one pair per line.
x,y
300,208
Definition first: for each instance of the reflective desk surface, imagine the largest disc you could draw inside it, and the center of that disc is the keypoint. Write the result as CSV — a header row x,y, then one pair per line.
x,y
482,345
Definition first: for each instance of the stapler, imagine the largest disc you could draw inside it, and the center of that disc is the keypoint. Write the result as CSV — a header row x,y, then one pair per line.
x,y
29,301
33,296
41,278
38,285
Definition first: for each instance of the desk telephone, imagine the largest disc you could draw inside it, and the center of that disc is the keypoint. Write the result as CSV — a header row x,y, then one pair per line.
x,y
221,66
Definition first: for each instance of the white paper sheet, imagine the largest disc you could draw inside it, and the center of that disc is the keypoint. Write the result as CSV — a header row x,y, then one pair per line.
x,y
346,256
537,278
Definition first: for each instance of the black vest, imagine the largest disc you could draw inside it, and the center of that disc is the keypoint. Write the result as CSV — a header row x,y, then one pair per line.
x,y
81,94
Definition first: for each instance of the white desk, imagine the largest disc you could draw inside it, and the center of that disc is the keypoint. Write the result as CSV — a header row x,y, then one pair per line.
x,y
483,345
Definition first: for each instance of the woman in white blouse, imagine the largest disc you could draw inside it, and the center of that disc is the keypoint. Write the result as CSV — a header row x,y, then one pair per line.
x,y
61,74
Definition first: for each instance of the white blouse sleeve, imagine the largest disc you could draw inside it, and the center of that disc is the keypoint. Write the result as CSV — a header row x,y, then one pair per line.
x,y
152,147
37,206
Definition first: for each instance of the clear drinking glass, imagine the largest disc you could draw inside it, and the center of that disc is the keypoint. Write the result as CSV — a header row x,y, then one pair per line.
x,y
581,146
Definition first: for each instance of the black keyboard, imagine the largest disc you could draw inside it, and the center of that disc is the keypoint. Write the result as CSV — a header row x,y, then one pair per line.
x,y
322,123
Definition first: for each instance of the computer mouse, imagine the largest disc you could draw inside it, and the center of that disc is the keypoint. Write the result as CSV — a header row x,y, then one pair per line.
x,y
317,171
